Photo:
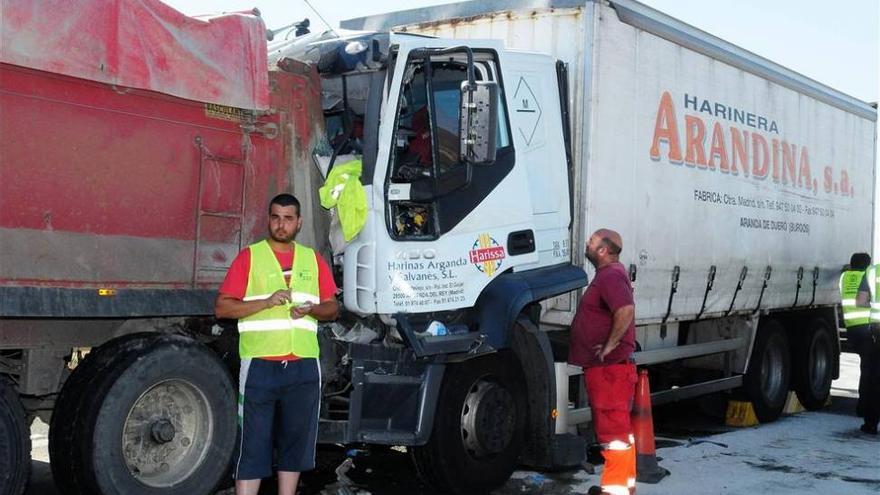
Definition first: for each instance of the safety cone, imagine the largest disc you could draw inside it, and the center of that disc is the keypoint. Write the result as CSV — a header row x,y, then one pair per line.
x,y
647,469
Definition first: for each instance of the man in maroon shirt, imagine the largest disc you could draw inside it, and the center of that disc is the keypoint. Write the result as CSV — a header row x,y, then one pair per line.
x,y
602,342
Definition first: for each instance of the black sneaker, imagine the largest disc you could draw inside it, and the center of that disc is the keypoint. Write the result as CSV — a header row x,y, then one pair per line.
x,y
870,430
594,490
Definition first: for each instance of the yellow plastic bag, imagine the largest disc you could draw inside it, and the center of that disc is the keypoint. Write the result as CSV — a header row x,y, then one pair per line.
x,y
344,191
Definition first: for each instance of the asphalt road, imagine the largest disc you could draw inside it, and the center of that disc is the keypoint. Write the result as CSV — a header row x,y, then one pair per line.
x,y
689,441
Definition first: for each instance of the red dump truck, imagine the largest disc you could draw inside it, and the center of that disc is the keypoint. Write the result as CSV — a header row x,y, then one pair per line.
x,y
138,150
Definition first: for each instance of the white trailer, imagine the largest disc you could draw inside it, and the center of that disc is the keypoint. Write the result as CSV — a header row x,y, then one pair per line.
x,y
741,188
699,152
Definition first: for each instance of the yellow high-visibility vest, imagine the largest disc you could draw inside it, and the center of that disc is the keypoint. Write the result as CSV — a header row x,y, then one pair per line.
x,y
849,288
272,332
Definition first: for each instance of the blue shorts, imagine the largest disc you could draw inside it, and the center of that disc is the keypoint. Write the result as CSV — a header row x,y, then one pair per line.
x,y
278,407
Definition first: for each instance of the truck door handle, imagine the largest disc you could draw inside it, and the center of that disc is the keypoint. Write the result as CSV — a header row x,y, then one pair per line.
x,y
521,242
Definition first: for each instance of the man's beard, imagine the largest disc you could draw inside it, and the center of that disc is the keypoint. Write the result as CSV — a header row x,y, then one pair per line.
x,y
592,258
278,238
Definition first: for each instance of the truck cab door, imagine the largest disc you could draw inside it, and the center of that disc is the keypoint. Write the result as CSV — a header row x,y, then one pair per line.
x,y
539,130
448,227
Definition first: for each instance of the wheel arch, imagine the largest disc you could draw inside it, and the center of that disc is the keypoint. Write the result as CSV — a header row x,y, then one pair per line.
x,y
503,300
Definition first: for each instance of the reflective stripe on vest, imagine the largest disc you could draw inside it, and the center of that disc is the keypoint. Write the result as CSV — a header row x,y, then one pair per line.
x,y
850,281
874,288
272,332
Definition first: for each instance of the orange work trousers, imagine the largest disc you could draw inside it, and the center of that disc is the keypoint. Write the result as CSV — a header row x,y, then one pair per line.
x,y
611,391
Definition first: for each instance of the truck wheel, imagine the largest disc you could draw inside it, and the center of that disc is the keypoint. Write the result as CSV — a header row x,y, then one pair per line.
x,y
813,364
164,422
78,390
766,381
479,426
15,442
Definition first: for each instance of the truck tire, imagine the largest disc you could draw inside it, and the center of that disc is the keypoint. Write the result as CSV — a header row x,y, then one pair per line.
x,y
119,383
15,442
813,361
479,424
164,422
79,390
767,379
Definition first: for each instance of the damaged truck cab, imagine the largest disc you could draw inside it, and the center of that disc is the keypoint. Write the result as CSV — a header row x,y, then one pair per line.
x,y
465,229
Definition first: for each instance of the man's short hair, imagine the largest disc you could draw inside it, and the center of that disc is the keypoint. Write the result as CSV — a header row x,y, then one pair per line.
x,y
612,246
285,199
860,261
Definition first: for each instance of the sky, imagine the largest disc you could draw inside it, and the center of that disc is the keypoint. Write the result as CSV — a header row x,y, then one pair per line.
x,y
835,44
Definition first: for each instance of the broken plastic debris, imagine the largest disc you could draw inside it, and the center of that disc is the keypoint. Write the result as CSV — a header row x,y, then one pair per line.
x,y
341,471
535,480
358,334
344,485
356,452
435,329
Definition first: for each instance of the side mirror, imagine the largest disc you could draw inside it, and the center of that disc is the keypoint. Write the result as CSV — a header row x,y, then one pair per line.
x,y
478,122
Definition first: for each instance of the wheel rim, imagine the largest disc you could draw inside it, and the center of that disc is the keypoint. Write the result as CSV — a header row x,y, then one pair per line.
x,y
167,433
771,373
488,419
820,363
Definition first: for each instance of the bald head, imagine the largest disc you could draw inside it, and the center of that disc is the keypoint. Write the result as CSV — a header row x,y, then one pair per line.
x,y
611,239
604,247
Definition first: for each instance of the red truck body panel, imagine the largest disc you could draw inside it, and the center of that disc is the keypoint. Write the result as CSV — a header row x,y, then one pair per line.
x,y
126,189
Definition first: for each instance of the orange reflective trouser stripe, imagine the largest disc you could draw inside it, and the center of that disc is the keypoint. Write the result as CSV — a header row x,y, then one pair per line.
x,y
611,390
619,475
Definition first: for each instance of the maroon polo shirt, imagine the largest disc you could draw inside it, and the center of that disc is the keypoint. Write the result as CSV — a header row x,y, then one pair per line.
x,y
609,291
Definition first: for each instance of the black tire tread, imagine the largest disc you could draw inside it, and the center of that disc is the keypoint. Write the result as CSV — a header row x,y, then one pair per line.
x,y
110,380
77,392
11,411
425,461
769,331
434,464
99,387
801,365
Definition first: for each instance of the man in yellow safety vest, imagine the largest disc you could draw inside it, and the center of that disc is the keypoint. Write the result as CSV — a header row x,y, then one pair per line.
x,y
858,286
277,289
